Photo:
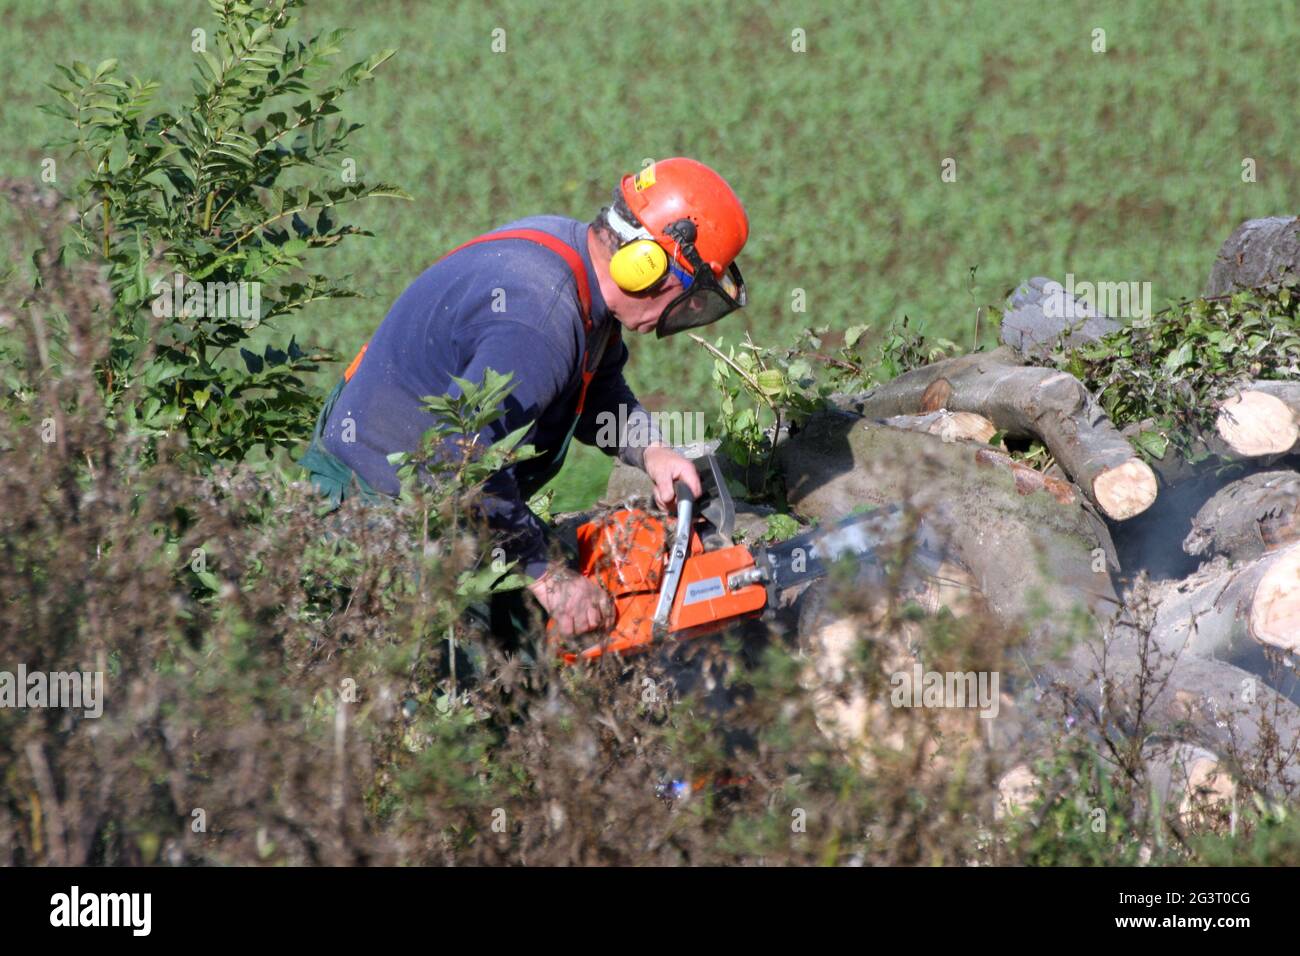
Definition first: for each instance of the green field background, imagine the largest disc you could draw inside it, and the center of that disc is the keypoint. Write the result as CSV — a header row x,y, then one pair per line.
x,y
1122,166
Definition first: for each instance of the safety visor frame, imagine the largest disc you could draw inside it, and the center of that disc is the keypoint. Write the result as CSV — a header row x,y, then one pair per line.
x,y
705,298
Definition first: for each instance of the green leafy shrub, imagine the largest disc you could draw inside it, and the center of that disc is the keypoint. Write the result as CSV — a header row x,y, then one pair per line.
x,y
863,360
206,214
1167,372
762,390
445,476
758,394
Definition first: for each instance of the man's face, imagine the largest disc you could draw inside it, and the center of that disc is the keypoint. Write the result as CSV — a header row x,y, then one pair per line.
x,y
640,312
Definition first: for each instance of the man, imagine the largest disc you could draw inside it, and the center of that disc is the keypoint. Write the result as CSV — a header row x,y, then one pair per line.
x,y
547,299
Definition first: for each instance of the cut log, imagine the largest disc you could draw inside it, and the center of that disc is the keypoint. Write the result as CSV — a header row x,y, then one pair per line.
x,y
1248,518
1031,402
1035,561
1125,490
1252,729
1023,543
1236,613
1189,778
1263,418
1260,254
946,425
1041,316
1018,788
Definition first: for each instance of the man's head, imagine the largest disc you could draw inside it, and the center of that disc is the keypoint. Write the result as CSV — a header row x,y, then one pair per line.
x,y
665,249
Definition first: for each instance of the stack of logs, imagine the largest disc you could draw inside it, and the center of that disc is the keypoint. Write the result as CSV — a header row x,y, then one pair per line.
x,y
1075,536
1225,626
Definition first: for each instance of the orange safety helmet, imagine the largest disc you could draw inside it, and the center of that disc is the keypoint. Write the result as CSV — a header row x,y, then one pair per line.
x,y
679,188
689,211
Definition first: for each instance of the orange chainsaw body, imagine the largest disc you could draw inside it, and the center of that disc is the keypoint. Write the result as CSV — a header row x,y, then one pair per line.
x,y
625,553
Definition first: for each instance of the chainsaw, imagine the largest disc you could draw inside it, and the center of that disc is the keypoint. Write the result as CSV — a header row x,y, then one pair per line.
x,y
686,578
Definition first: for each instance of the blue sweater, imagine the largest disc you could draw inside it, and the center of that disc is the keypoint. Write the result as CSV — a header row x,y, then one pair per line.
x,y
509,305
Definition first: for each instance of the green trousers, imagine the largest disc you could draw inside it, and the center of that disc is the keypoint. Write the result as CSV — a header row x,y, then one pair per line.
x,y
331,477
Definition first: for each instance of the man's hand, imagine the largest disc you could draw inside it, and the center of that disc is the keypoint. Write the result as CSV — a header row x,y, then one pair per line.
x,y
664,466
576,604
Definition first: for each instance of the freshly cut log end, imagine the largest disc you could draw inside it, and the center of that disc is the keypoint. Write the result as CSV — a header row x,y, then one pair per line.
x,y
936,396
1253,424
1125,490
1192,779
1234,612
1275,612
1208,783
966,426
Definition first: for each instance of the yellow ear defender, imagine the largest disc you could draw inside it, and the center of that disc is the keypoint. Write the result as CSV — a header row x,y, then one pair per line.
x,y
638,265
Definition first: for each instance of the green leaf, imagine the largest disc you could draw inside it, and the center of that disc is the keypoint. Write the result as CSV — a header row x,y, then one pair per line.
x,y
771,381
510,441
162,370
1152,443
1179,357
780,527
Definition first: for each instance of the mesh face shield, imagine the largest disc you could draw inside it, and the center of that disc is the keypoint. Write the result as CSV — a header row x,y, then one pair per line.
x,y
707,299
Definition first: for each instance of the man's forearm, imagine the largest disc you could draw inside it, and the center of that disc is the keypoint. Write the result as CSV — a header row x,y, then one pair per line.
x,y
640,433
516,530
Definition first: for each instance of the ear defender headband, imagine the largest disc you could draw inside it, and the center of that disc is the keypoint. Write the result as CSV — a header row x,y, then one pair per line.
x,y
640,263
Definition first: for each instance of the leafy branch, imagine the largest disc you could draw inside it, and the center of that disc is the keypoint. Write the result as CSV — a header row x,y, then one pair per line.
x,y
227,194
446,475
1170,370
